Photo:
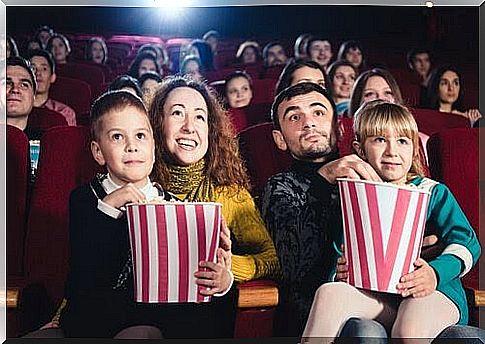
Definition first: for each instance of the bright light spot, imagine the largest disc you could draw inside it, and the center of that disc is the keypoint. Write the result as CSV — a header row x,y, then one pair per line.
x,y
175,4
429,4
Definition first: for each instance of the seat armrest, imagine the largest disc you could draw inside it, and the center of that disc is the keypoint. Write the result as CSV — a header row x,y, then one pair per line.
x,y
10,298
257,293
479,296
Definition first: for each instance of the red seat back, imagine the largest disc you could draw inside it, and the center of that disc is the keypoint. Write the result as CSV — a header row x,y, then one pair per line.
x,y
65,162
432,121
454,160
90,73
41,119
73,92
263,159
18,176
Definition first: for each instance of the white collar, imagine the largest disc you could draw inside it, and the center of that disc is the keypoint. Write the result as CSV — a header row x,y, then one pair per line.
x,y
148,190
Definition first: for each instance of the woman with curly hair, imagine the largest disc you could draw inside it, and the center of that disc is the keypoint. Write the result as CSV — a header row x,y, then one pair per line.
x,y
197,159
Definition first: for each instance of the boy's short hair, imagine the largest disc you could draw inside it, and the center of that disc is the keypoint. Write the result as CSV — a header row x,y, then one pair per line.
x,y
45,54
374,117
112,101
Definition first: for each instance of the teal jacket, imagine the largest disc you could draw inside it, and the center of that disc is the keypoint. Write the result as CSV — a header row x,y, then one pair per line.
x,y
462,248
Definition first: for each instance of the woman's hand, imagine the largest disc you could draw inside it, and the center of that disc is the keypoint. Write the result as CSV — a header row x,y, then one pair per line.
x,y
419,283
342,269
225,237
473,115
215,276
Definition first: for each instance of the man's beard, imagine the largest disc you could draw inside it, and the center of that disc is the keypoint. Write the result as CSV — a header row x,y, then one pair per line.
x,y
319,152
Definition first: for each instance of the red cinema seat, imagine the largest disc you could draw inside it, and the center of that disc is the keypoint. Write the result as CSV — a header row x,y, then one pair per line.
x,y
73,92
65,162
263,159
263,90
89,73
41,119
18,177
432,121
271,72
238,119
454,160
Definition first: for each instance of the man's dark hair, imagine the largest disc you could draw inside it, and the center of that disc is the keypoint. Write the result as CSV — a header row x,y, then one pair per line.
x,y
21,62
269,46
286,76
125,81
45,54
112,101
312,39
415,51
149,75
297,90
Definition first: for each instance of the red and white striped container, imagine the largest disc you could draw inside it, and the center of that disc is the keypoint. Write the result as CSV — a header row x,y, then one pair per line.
x,y
167,243
383,231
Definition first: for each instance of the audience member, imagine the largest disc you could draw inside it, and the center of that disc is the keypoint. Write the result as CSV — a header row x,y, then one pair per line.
x,y
58,45
248,52
300,46
298,71
43,34
197,159
342,75
352,51
202,50
20,91
34,44
446,92
238,89
212,38
319,49
388,132
143,62
373,84
160,53
96,50
149,83
127,83
11,47
191,66
274,54
419,61
45,74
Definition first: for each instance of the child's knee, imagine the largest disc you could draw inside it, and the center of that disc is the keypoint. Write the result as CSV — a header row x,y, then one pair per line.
x,y
330,293
410,329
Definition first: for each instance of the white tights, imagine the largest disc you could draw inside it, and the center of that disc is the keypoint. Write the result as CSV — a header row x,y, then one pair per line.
x,y
409,319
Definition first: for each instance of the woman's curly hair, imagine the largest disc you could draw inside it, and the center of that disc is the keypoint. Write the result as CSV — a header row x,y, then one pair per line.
x,y
223,163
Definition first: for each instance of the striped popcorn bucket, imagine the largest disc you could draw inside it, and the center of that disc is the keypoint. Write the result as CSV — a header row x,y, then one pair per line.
x,y
383,231
167,243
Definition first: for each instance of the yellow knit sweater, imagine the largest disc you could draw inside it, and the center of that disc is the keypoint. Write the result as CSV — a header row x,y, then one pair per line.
x,y
244,221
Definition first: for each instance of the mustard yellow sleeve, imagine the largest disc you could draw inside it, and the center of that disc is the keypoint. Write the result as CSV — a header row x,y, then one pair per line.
x,y
244,221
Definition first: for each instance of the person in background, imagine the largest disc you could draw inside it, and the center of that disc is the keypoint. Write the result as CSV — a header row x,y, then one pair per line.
x,y
248,52
149,83
58,45
319,49
203,51
11,47
212,38
127,83
45,73
161,55
419,61
352,51
238,89
96,50
43,34
304,70
342,75
446,92
376,83
191,66
143,62
300,46
34,44
274,54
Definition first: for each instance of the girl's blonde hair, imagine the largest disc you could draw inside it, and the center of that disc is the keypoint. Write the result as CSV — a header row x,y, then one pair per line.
x,y
373,118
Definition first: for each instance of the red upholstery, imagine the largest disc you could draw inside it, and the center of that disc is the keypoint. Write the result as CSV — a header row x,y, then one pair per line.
x,y
272,72
238,119
254,323
263,90
432,121
263,158
18,176
65,163
73,92
42,119
90,73
454,160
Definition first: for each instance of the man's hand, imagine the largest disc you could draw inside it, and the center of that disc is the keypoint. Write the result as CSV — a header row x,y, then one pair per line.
x,y
129,193
350,166
419,283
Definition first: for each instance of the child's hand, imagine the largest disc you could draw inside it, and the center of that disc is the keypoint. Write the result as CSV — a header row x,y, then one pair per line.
x,y
419,283
342,269
215,276
129,193
225,237
350,166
